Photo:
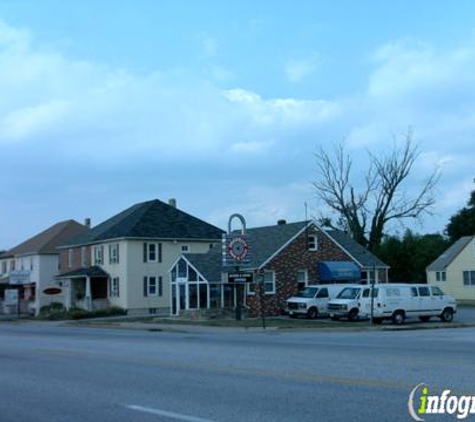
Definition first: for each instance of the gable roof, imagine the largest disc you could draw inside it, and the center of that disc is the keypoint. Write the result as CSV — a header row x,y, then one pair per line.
x,y
362,255
267,242
209,264
47,241
444,260
152,219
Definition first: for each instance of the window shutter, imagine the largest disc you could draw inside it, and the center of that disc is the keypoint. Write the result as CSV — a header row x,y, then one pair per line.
x,y
159,252
145,252
145,292
118,286
110,254
160,286
117,246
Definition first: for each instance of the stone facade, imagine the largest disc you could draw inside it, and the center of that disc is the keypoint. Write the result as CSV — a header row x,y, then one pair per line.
x,y
296,256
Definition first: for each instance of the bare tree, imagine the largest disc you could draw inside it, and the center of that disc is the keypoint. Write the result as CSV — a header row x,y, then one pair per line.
x,y
381,196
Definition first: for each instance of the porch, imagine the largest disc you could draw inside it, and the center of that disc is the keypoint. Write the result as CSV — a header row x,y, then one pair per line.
x,y
85,288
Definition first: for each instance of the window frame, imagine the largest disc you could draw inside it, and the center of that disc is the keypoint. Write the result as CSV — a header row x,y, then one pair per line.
x,y
115,287
312,245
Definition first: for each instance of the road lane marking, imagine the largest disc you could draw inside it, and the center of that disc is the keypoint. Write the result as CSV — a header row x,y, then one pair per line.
x,y
171,415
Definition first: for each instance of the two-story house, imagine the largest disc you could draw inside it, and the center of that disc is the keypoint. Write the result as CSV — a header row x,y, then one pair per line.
x,y
289,257
31,266
124,261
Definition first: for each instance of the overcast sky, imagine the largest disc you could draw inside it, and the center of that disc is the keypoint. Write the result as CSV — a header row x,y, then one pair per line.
x,y
221,105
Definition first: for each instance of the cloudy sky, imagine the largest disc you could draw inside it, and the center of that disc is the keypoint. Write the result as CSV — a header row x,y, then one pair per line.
x,y
223,104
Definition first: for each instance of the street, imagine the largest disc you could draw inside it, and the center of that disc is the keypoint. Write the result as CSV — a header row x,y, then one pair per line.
x,y
58,373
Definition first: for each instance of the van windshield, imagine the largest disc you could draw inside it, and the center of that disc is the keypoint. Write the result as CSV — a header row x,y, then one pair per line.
x,y
349,293
308,292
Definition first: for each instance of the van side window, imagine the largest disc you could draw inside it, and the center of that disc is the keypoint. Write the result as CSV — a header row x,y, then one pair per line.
x,y
414,292
424,291
436,291
366,293
322,293
393,292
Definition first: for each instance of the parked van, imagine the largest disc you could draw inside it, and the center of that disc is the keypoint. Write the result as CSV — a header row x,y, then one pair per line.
x,y
399,301
347,303
393,301
312,300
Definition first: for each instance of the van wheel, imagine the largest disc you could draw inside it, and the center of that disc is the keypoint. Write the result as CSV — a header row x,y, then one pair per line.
x,y
353,315
447,315
312,313
377,321
398,317
424,318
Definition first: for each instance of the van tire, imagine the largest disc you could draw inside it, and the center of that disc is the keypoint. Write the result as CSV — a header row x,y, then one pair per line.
x,y
312,313
353,315
447,315
424,318
398,317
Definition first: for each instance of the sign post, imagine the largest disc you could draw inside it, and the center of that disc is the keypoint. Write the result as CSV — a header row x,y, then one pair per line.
x,y
236,254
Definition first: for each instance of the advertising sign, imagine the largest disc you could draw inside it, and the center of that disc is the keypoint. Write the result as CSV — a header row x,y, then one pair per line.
x,y
240,277
19,277
11,297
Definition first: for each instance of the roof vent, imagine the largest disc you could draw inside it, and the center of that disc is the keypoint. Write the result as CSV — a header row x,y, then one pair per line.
x,y
281,222
87,222
172,202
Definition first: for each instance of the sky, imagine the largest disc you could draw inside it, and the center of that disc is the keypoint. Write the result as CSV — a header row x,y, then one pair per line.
x,y
222,105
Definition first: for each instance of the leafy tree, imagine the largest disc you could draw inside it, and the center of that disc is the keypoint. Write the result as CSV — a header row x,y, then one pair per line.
x,y
463,222
364,213
410,254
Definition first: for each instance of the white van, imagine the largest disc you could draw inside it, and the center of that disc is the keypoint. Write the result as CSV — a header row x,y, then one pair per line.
x,y
347,303
393,301
399,301
312,301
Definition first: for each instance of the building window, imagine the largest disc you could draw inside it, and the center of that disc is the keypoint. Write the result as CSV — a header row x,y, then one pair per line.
x,y
185,248
114,292
12,265
312,242
469,278
70,258
98,255
251,288
269,282
152,252
441,276
31,264
4,267
302,279
83,256
114,253
153,286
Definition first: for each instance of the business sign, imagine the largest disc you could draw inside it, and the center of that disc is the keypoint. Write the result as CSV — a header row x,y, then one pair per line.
x,y
240,277
236,250
19,277
11,297
53,290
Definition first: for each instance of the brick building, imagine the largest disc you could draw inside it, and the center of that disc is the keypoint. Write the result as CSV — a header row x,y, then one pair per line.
x,y
288,257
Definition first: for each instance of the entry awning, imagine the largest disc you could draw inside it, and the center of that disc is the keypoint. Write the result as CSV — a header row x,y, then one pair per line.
x,y
94,271
334,271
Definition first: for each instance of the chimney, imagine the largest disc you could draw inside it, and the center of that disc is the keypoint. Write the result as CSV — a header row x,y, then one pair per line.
x,y
172,202
87,222
281,222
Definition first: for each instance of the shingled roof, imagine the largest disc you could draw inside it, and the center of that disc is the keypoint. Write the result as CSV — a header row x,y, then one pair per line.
x,y
267,241
441,263
48,240
150,220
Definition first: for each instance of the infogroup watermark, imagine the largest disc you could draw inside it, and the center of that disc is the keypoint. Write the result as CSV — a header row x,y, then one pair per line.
x,y
422,403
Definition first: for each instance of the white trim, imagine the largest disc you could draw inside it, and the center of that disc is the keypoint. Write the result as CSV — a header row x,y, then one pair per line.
x,y
192,266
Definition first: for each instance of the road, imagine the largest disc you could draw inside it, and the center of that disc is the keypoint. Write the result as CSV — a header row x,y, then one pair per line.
x,y
54,373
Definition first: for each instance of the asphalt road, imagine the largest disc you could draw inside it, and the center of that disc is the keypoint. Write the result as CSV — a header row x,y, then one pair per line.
x,y
67,374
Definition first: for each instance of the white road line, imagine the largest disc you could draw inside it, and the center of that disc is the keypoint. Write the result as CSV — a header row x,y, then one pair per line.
x,y
171,415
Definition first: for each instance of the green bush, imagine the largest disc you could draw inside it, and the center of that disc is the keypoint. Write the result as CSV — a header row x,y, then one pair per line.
x,y
56,311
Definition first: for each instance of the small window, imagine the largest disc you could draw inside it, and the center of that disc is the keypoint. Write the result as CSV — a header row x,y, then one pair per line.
x,y
312,242
251,288
114,253
114,291
469,278
322,294
185,248
269,282
414,292
98,255
152,286
302,279
70,258
437,276
83,256
444,276
424,291
365,293
436,291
